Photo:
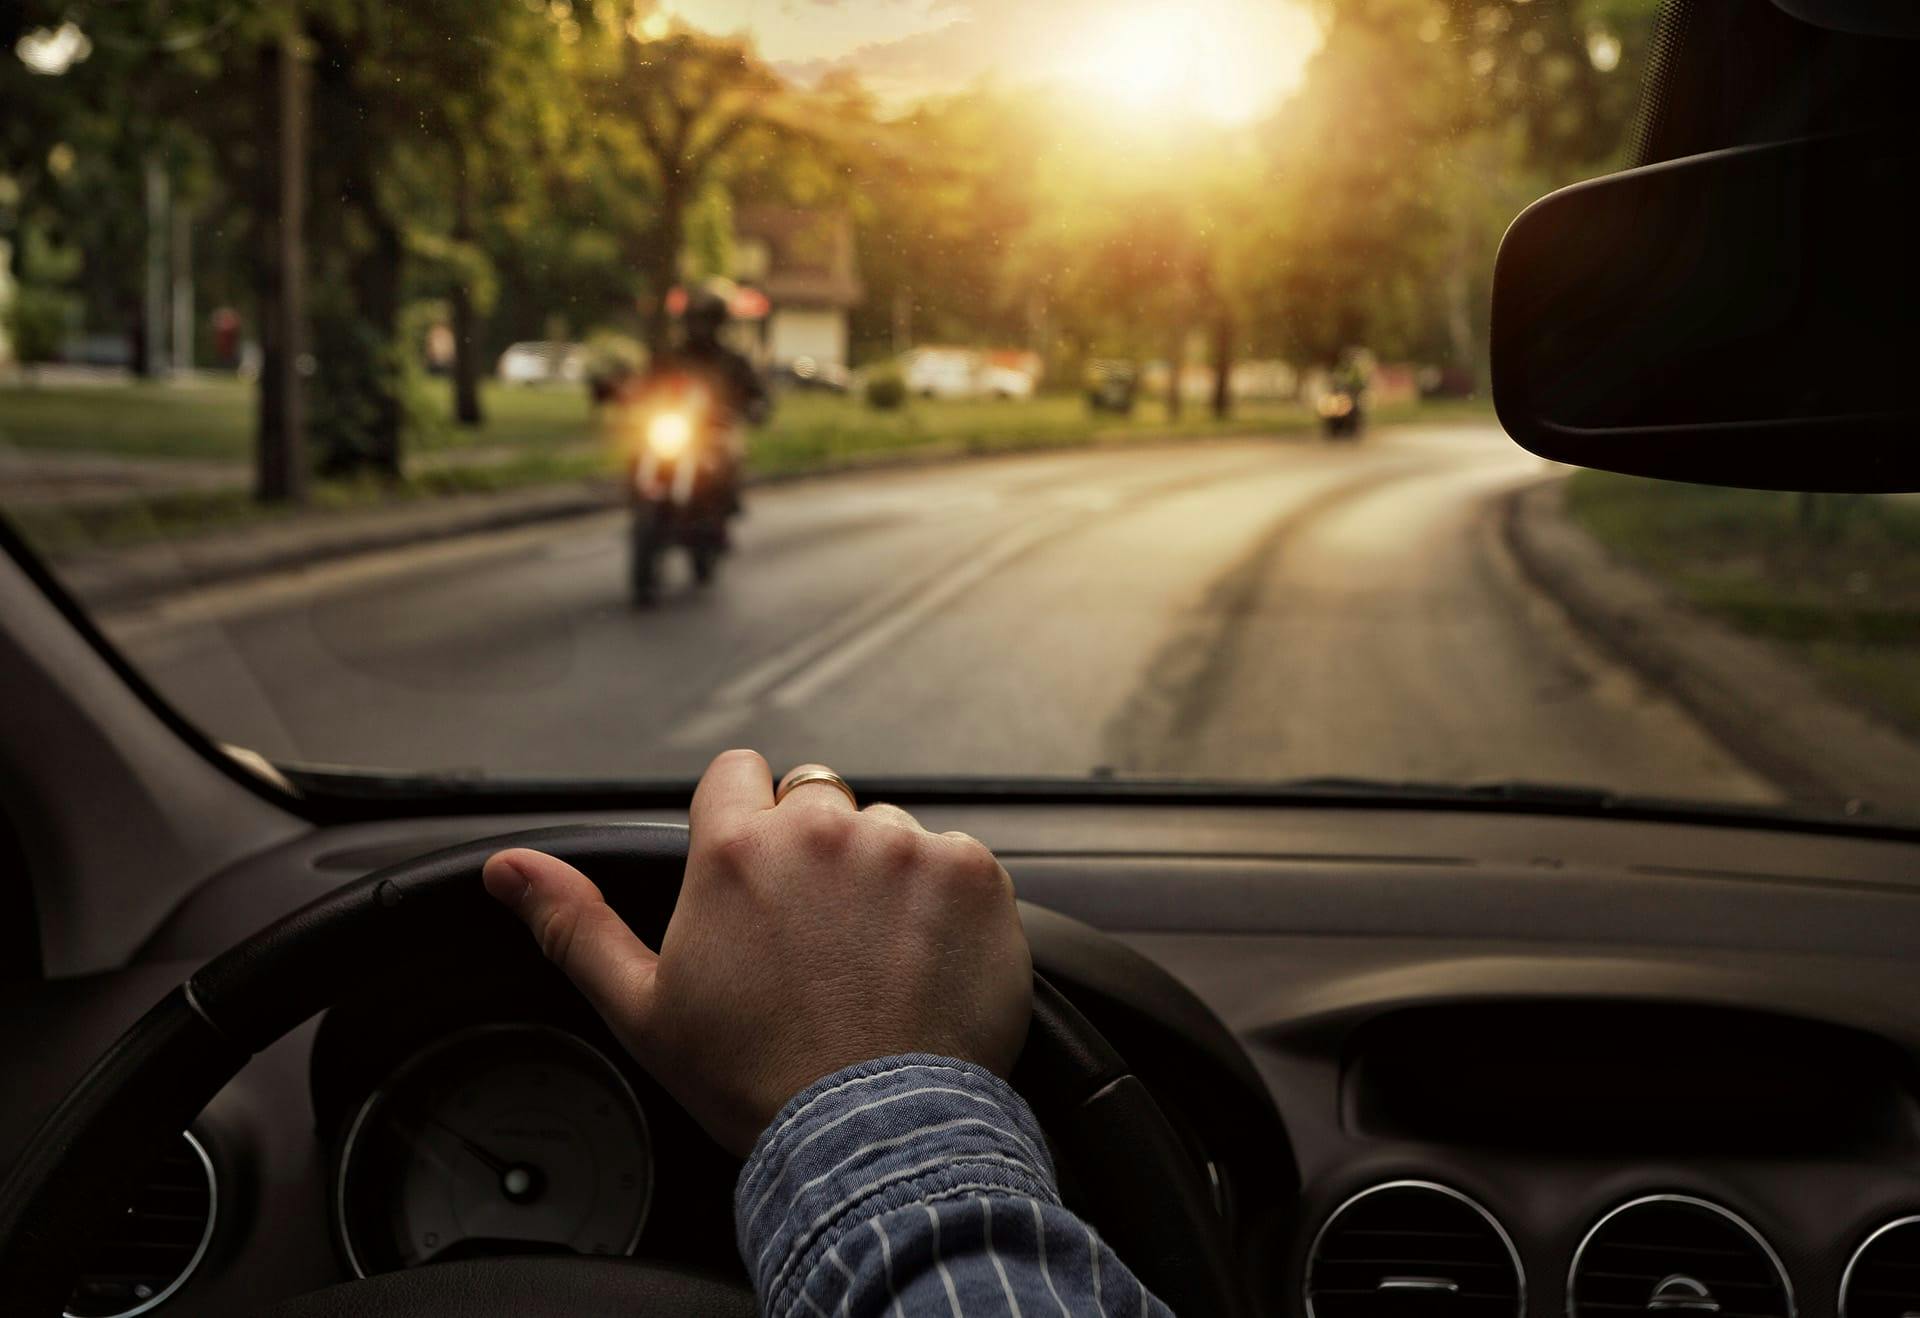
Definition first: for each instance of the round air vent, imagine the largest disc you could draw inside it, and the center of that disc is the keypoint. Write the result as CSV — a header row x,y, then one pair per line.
x,y
1676,1255
151,1252
1882,1279
1413,1248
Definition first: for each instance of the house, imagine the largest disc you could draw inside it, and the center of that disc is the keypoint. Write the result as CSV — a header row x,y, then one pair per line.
x,y
803,260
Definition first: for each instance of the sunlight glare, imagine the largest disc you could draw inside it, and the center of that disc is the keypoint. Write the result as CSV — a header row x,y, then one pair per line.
x,y
1228,60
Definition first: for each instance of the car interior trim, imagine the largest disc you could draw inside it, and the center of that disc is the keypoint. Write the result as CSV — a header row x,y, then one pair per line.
x,y
199,1251
1313,1250
1853,1259
1692,1201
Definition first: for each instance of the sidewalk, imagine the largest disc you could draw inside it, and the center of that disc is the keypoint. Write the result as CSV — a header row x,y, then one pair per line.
x,y
1759,703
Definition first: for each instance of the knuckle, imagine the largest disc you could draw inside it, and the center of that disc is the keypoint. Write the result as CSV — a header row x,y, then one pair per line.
x,y
899,848
825,834
978,869
729,849
558,925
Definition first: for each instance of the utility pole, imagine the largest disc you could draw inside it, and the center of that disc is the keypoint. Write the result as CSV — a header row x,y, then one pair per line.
x,y
281,448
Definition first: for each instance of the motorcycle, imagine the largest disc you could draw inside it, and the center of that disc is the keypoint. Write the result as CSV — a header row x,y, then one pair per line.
x,y
682,474
1340,414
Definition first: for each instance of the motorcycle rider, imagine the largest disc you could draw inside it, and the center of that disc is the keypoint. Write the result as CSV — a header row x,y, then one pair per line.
x,y
734,383
683,425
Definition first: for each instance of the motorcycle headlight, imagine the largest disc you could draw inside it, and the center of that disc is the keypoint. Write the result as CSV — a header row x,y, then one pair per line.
x,y
669,433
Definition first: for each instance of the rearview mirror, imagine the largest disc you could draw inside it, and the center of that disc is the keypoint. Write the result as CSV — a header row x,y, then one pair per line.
x,y
1746,317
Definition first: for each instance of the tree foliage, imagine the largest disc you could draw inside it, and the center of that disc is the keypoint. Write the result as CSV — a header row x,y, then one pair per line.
x,y
535,168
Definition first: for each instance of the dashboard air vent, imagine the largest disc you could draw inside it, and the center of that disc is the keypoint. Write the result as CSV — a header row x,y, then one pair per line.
x,y
150,1253
1679,1256
1412,1248
1883,1278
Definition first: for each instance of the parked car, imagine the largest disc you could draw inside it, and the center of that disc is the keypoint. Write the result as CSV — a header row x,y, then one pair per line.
x,y
941,372
542,362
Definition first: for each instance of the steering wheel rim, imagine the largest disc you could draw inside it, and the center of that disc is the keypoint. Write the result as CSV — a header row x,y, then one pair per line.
x,y
1144,1194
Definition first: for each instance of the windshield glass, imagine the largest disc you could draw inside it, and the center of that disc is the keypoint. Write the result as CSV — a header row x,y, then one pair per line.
x,y
575,388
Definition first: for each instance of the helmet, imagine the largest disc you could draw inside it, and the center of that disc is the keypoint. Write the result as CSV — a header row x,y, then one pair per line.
x,y
708,304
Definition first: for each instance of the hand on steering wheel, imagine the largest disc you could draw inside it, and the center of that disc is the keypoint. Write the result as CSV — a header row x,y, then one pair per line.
x,y
824,965
809,936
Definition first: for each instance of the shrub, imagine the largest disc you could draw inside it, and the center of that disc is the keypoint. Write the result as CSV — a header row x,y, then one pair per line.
x,y
37,322
886,390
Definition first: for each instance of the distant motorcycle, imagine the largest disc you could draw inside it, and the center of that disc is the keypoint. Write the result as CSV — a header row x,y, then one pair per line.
x,y
682,478
1341,414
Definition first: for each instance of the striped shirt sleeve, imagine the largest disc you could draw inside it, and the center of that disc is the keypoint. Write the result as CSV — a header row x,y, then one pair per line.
x,y
919,1185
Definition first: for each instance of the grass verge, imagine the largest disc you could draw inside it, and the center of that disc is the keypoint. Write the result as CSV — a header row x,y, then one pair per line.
x,y
1834,579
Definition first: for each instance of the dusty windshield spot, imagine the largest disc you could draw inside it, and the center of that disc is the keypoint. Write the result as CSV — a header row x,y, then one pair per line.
x,y
573,388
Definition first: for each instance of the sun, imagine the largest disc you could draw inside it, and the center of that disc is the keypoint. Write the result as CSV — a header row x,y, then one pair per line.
x,y
1143,60
1227,60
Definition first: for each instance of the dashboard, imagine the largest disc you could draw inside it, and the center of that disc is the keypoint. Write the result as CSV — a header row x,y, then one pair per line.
x,y
1429,1062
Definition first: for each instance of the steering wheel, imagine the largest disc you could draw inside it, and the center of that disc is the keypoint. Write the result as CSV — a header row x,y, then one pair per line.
x,y
1144,1193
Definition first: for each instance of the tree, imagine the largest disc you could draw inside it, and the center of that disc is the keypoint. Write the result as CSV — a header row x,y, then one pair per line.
x,y
681,101
1421,127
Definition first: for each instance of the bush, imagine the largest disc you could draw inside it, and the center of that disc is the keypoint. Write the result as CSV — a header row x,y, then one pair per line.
x,y
37,322
886,390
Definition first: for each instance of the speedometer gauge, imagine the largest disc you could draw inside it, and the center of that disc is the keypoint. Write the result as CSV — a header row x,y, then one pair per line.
x,y
507,1139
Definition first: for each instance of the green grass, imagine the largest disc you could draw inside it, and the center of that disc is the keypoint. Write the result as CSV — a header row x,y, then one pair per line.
x,y
59,532
1840,590
213,419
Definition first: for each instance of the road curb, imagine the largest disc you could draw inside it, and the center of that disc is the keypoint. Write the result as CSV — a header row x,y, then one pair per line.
x,y
1765,708
122,580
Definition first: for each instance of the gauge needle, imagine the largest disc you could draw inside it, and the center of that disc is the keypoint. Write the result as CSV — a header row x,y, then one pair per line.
x,y
520,1182
494,1162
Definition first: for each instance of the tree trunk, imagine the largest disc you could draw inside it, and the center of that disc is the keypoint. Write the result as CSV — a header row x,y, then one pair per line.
x,y
153,357
661,265
359,375
280,449
1176,358
1223,366
181,297
466,328
377,291
139,355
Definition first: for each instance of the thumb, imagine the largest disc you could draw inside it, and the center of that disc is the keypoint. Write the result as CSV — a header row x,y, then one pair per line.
x,y
579,933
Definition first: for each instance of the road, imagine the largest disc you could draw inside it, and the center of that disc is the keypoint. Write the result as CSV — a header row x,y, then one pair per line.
x,y
1237,610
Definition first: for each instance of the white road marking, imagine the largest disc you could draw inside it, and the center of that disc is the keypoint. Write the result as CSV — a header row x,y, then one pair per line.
x,y
836,663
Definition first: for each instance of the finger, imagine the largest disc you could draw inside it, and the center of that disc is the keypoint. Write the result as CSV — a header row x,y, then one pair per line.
x,y
972,843
579,933
892,814
813,794
735,786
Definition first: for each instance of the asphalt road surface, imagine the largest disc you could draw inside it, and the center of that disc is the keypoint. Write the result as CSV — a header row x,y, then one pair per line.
x,y
1229,610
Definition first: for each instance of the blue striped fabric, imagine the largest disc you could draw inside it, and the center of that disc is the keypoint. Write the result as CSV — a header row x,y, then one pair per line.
x,y
918,1185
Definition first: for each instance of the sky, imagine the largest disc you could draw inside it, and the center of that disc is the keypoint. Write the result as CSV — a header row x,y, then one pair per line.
x,y
1224,59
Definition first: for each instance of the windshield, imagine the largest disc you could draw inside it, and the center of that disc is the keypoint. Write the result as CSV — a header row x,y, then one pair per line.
x,y
574,388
